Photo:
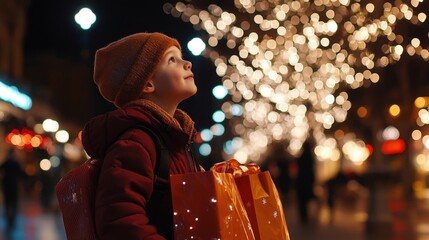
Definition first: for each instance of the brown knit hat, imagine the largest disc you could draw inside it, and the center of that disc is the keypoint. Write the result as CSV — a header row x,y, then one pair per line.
x,y
122,68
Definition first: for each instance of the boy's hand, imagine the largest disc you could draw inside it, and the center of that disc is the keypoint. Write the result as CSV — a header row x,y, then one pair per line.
x,y
234,167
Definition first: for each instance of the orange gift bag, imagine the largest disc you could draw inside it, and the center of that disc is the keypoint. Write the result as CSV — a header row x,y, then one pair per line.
x,y
263,205
207,205
260,198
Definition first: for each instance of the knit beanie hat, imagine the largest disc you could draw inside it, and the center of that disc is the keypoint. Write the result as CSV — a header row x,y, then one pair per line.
x,y
123,67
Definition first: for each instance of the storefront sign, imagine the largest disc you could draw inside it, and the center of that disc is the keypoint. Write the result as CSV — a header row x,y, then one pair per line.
x,y
12,95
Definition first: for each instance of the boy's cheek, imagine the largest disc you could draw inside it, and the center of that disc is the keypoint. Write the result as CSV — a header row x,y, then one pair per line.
x,y
176,76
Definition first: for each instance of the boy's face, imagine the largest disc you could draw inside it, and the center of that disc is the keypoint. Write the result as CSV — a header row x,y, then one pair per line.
x,y
174,80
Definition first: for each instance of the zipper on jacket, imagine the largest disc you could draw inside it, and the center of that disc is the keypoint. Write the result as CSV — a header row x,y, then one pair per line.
x,y
192,161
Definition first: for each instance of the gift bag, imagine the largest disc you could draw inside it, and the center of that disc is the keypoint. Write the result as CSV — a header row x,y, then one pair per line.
x,y
263,205
207,205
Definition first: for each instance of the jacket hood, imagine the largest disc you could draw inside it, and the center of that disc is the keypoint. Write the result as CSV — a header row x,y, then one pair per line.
x,y
102,131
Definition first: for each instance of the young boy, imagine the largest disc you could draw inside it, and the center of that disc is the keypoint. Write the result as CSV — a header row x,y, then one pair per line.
x,y
145,76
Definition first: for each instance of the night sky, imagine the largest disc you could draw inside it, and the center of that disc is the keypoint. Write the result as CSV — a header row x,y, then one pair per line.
x,y
52,31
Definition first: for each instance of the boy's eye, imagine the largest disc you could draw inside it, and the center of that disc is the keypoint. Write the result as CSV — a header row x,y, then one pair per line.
x,y
172,60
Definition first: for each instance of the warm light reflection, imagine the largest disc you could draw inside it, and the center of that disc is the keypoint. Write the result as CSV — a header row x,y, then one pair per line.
x,y
390,133
421,102
423,116
50,125
45,164
362,112
422,163
62,136
416,135
357,152
394,110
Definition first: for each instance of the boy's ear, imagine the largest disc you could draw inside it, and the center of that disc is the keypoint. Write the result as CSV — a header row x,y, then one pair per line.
x,y
149,87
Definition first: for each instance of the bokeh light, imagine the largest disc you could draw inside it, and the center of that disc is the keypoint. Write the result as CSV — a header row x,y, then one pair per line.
x,y
85,18
196,46
289,65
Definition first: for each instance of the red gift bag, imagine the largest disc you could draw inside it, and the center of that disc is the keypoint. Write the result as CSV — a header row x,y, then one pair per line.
x,y
263,205
207,205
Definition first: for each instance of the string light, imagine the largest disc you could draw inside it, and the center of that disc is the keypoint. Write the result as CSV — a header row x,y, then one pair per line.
x,y
291,63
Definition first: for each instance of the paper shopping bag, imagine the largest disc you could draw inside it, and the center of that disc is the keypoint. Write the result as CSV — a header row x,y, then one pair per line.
x,y
207,205
263,205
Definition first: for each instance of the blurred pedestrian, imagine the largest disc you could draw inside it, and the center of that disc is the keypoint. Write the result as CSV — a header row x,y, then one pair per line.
x,y
47,191
332,186
278,164
305,181
11,172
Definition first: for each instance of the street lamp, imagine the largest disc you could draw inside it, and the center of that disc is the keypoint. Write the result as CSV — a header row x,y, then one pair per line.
x,y
85,18
196,46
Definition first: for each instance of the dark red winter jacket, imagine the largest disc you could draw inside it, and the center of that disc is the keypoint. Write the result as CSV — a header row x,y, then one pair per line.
x,y
127,175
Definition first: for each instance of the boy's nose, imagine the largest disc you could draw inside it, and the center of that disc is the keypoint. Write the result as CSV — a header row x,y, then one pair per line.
x,y
188,65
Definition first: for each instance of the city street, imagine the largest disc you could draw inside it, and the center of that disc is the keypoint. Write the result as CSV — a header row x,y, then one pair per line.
x,y
348,223
330,96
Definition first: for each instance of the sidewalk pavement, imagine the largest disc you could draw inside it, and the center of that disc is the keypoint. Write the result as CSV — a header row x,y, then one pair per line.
x,y
344,224
32,223
409,220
